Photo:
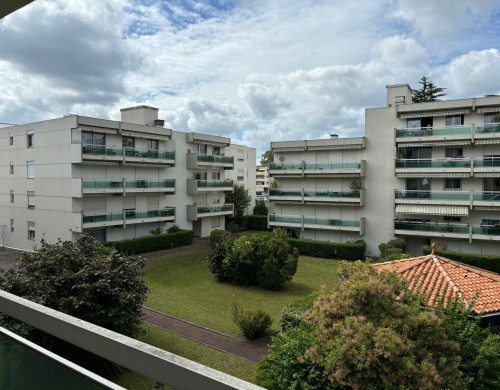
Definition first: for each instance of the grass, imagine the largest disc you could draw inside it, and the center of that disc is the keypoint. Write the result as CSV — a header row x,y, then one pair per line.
x,y
194,243
182,286
189,349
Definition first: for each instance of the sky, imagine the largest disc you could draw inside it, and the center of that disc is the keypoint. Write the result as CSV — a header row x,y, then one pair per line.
x,y
253,70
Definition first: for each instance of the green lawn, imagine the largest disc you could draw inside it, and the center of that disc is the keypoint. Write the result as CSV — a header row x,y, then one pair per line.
x,y
189,349
182,286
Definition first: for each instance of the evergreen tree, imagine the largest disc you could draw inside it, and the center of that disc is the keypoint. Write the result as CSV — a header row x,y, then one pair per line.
x,y
428,92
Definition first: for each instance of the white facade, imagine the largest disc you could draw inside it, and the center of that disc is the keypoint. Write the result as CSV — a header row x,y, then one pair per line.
x,y
244,169
115,180
428,172
262,180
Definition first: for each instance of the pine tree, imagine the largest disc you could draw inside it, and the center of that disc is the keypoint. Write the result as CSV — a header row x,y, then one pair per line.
x,y
428,92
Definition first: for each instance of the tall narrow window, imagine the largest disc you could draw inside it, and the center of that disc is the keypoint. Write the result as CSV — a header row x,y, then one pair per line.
x,y
216,151
128,142
11,196
30,138
153,144
11,167
11,225
31,169
31,199
241,175
240,154
31,230
11,139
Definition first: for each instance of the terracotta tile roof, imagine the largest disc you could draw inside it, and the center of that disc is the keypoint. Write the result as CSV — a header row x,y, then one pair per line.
x,y
437,276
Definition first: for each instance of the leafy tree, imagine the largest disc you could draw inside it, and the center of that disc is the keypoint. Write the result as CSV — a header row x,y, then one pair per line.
x,y
266,158
260,208
240,198
428,92
82,279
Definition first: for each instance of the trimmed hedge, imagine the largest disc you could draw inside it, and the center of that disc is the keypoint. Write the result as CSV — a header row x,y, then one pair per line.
x,y
330,250
153,243
487,262
255,222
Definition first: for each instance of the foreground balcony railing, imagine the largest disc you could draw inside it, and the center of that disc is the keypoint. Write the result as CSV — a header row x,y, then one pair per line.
x,y
434,163
131,155
317,196
489,230
203,161
195,212
442,167
304,168
466,198
490,196
306,222
215,159
156,154
314,166
488,128
432,227
150,214
209,209
102,217
101,150
214,183
168,183
162,366
127,184
433,131
452,230
433,195
132,216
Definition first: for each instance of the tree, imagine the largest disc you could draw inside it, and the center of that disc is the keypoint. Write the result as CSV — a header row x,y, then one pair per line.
x,y
82,279
260,208
428,92
266,158
241,200
369,333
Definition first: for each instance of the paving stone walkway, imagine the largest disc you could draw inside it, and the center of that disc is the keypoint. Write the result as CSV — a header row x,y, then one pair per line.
x,y
251,351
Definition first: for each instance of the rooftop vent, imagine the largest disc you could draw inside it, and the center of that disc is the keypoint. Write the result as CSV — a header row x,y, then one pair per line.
x,y
333,136
159,122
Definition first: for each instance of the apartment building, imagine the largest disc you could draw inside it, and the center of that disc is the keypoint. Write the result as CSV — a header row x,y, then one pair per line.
x,y
244,169
262,180
113,179
423,172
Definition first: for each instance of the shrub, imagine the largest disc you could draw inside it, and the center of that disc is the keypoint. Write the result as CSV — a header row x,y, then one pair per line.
x,y
397,243
260,208
256,222
488,262
216,235
156,231
253,323
293,315
330,250
219,240
390,251
153,243
262,259
174,229
382,248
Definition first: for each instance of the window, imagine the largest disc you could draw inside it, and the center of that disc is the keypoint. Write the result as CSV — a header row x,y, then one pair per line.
x,y
31,230
413,123
452,184
11,196
30,139
241,175
93,138
491,184
216,151
31,199
418,185
215,175
31,169
240,154
11,225
451,218
11,167
454,152
128,142
419,153
202,149
454,120
11,139
492,117
153,144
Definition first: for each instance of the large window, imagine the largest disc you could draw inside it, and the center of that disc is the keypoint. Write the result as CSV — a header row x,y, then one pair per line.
x,y
93,138
493,117
153,145
491,184
416,123
31,169
418,184
454,120
454,152
419,153
31,230
128,142
452,184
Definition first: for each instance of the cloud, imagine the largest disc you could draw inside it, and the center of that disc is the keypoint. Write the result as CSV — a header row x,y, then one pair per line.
x,y
263,101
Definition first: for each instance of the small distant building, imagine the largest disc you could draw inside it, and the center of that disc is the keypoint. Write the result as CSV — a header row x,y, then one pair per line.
x,y
262,180
438,277
244,169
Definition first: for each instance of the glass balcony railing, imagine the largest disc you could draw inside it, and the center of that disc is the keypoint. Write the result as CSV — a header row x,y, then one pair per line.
x,y
432,227
332,194
430,131
150,184
488,128
104,217
285,218
434,163
490,230
102,150
278,192
102,184
149,154
214,183
330,222
432,195
214,208
334,165
149,214
215,159
487,196
487,162
285,166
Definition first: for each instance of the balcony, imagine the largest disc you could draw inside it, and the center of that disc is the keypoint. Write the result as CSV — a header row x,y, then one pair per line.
x,y
486,232
126,217
486,167
195,187
124,186
317,196
305,222
330,169
443,167
486,199
163,215
162,366
203,161
195,212
127,155
432,229
433,197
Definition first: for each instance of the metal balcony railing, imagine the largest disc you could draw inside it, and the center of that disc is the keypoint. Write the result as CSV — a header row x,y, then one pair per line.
x,y
101,150
215,159
434,163
150,214
214,183
433,131
432,195
150,184
432,227
207,209
101,217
